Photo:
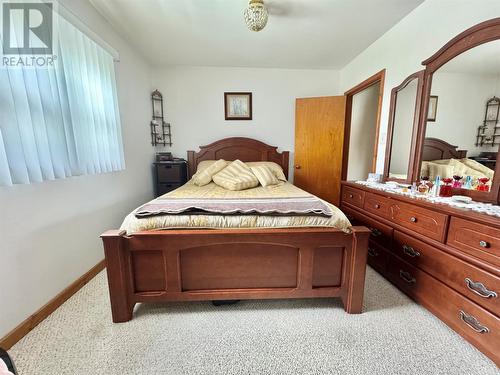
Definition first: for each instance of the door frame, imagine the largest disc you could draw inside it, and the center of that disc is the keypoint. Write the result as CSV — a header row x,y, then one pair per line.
x,y
378,77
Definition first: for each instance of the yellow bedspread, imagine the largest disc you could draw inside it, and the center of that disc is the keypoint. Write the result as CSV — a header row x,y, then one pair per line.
x,y
338,220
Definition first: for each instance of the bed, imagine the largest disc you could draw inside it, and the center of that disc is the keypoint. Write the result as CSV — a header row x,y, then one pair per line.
x,y
446,160
196,264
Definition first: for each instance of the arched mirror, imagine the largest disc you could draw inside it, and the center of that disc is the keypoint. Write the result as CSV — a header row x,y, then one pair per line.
x,y
403,120
459,134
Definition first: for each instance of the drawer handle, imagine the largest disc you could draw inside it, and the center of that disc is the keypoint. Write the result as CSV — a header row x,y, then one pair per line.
x,y
351,196
473,323
484,244
413,219
407,277
377,206
375,232
410,251
372,252
480,289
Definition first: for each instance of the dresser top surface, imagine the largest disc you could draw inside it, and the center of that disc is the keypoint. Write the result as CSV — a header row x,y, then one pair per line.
x,y
464,213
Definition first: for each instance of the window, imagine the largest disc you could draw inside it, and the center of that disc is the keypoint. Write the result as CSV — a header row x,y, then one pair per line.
x,y
60,121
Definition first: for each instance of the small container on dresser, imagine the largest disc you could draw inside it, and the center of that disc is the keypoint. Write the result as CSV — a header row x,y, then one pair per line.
x,y
169,175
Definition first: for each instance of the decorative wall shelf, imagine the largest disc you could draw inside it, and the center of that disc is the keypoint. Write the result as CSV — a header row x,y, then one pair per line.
x,y
489,132
160,130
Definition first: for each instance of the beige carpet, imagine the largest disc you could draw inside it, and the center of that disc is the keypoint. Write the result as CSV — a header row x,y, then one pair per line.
x,y
392,336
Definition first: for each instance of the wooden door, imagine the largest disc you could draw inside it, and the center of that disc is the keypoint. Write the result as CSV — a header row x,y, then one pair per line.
x,y
319,140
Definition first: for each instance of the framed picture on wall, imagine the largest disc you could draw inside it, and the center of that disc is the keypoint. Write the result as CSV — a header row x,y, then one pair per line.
x,y
238,105
433,103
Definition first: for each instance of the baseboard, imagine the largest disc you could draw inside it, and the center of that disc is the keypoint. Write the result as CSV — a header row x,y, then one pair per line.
x,y
31,322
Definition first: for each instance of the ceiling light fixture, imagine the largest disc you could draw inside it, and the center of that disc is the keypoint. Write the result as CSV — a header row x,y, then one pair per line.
x,y
256,15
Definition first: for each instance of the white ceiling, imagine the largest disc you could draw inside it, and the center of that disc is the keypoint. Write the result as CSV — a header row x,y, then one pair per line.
x,y
300,33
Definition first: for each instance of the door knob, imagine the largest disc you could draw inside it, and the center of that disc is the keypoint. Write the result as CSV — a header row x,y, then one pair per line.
x,y
297,166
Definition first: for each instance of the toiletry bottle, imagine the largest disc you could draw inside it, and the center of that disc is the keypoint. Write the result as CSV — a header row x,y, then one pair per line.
x,y
468,183
457,181
446,189
482,184
423,188
413,189
437,187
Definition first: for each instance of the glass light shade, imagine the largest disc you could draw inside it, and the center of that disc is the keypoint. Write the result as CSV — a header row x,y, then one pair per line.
x,y
256,15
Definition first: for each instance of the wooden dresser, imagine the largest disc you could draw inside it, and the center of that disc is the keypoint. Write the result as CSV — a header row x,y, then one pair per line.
x,y
445,258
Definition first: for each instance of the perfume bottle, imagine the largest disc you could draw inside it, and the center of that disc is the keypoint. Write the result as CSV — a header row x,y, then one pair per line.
x,y
423,188
482,184
413,189
446,190
457,182
436,187
468,183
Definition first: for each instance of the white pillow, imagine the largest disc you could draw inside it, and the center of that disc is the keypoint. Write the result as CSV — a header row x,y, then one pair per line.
x,y
265,175
274,167
204,176
236,176
202,165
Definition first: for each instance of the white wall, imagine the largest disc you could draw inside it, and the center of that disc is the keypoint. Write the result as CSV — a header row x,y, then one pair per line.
x,y
415,38
363,133
461,104
194,98
50,231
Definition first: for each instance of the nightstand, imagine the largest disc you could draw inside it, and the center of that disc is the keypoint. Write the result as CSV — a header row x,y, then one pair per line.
x,y
169,175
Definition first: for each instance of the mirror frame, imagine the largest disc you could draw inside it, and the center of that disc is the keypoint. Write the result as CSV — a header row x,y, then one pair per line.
x,y
481,33
419,76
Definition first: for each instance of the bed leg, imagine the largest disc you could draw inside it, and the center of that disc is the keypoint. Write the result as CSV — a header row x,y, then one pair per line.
x,y
121,307
352,297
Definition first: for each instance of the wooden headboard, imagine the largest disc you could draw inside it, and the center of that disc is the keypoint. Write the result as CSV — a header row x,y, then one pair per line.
x,y
437,149
244,149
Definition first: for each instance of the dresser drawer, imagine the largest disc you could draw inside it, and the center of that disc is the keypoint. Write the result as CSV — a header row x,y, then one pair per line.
x,y
350,214
380,233
476,239
353,196
377,205
170,172
377,257
473,282
470,320
165,188
418,219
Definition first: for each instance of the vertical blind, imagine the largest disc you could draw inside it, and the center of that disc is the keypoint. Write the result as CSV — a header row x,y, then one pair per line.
x,y
60,121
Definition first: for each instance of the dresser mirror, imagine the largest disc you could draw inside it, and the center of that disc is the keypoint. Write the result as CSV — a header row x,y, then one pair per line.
x,y
459,132
403,120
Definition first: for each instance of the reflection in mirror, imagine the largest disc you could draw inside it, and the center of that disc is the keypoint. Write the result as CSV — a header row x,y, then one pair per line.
x,y
463,128
402,129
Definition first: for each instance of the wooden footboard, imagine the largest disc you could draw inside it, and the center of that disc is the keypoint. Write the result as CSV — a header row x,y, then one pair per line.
x,y
189,265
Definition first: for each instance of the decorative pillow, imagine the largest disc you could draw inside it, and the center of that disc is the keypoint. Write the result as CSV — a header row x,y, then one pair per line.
x,y
424,169
459,168
478,167
442,170
441,161
202,165
275,168
236,176
265,175
204,176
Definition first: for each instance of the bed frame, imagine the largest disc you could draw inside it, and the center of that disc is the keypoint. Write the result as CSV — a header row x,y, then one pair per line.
x,y
220,264
437,149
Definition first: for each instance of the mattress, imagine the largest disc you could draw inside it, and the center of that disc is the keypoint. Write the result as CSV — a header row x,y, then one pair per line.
x,y
133,224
